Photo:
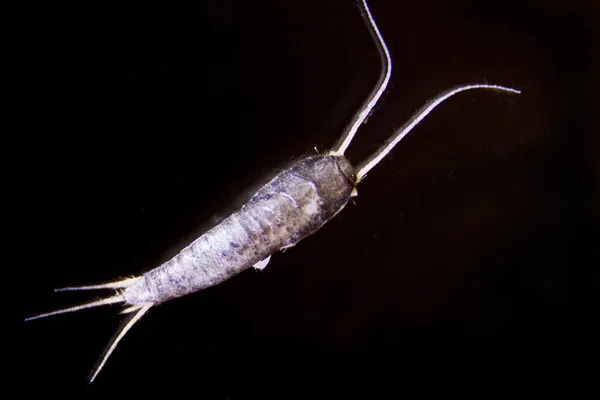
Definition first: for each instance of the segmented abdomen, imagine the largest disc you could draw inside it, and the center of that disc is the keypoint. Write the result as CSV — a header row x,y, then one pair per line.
x,y
295,204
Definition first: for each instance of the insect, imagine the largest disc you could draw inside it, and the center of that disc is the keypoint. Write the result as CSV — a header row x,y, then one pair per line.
x,y
293,205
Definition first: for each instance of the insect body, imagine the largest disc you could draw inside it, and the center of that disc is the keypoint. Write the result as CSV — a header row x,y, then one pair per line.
x,y
293,205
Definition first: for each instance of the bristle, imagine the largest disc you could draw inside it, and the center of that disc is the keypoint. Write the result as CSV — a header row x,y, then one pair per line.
x,y
97,303
144,308
123,283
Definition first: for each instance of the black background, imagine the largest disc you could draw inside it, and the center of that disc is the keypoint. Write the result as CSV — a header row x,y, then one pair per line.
x,y
471,253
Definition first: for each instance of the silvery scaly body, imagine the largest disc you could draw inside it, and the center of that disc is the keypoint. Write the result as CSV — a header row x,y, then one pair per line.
x,y
293,205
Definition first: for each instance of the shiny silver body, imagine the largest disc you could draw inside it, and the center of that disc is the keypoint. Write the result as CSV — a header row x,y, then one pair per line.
x,y
293,205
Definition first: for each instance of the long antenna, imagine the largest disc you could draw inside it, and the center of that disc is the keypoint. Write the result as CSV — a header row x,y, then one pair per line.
x,y
389,144
386,72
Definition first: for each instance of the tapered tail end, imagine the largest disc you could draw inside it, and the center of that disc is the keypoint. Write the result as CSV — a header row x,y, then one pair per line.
x,y
136,311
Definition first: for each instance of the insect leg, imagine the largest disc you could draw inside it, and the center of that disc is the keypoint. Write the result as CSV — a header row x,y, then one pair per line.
x,y
262,263
120,334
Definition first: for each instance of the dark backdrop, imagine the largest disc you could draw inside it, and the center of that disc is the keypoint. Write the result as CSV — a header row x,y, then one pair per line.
x,y
471,253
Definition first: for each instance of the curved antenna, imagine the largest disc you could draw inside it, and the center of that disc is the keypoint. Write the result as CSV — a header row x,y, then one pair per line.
x,y
376,157
386,72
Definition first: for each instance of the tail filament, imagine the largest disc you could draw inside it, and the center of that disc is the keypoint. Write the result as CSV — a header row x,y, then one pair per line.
x,y
139,309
